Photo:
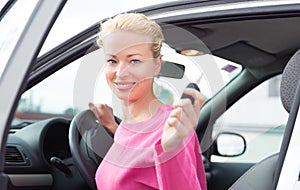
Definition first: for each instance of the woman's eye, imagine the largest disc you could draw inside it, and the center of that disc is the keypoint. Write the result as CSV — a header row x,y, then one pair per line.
x,y
135,61
111,61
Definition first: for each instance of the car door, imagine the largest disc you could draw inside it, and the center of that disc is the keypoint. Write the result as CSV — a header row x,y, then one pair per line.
x,y
23,27
263,126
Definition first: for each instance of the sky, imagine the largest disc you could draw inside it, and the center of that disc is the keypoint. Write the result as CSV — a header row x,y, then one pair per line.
x,y
80,14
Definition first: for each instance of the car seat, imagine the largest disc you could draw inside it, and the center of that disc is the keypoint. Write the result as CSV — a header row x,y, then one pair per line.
x,y
264,175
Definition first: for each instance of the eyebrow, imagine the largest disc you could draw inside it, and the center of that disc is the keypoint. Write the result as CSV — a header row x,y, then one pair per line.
x,y
111,55
130,55
134,55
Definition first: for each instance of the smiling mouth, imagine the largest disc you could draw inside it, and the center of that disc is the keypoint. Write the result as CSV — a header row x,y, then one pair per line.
x,y
124,86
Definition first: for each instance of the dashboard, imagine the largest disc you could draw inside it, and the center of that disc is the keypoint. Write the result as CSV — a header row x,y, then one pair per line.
x,y
38,156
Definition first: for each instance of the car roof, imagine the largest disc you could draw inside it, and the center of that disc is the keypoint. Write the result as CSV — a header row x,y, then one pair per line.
x,y
263,35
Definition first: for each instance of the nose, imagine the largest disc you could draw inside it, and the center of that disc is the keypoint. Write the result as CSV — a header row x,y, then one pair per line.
x,y
122,70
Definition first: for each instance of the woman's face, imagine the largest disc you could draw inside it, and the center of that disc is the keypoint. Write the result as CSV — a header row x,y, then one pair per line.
x,y
130,66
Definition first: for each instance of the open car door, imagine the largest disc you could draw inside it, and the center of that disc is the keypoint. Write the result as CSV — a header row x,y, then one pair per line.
x,y
19,46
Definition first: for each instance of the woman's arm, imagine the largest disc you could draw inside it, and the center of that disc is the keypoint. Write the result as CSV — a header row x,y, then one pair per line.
x,y
182,119
179,162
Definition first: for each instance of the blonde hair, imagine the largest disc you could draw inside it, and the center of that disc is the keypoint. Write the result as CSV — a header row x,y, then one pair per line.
x,y
133,22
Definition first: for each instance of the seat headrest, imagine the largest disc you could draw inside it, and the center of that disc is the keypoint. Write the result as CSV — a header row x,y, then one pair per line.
x,y
289,81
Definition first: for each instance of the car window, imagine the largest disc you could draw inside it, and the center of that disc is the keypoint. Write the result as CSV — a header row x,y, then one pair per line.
x,y
50,98
210,72
259,117
59,94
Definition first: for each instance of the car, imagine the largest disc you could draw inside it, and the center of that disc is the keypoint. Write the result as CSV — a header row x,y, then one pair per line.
x,y
242,54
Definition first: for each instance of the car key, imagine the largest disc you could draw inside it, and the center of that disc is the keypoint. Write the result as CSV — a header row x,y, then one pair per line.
x,y
190,85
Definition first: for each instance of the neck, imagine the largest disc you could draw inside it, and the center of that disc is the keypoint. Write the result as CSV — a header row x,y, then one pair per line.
x,y
140,110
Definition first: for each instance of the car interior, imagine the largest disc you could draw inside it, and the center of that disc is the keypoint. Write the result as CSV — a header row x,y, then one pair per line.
x,y
270,167
59,152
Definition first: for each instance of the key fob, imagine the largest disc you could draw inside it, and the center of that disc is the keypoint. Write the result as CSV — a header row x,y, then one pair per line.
x,y
190,85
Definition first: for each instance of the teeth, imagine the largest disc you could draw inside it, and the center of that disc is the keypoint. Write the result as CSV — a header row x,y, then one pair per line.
x,y
124,86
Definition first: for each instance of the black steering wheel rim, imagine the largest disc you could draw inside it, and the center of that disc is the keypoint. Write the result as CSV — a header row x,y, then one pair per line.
x,y
89,142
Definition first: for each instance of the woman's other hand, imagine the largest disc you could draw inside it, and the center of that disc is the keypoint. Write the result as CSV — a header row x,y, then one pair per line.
x,y
182,119
105,116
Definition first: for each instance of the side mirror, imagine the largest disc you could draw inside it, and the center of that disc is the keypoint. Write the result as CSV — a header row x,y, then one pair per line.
x,y
229,144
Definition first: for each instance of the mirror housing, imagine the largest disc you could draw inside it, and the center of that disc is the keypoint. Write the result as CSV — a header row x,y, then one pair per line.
x,y
228,144
171,70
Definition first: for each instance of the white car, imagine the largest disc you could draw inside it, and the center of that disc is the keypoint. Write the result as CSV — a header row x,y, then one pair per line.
x,y
242,54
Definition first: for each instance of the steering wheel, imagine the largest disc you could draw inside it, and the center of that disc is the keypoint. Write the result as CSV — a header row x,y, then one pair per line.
x,y
89,142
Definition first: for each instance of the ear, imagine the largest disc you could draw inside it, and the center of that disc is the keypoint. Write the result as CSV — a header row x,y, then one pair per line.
x,y
158,65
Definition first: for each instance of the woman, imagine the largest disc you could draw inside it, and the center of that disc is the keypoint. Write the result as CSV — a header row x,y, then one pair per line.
x,y
155,146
